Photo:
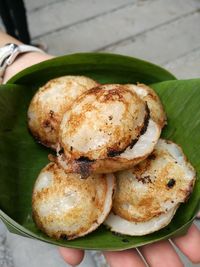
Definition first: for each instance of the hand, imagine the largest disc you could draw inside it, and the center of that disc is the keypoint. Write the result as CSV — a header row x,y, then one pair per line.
x,y
159,254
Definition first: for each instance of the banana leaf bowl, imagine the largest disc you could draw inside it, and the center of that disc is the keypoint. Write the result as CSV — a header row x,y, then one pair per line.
x,y
21,158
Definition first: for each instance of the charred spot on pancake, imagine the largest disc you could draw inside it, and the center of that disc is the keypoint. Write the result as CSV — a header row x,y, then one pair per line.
x,y
144,128
61,151
113,153
146,120
144,179
47,124
171,183
51,113
110,117
133,142
84,159
142,167
152,156
83,166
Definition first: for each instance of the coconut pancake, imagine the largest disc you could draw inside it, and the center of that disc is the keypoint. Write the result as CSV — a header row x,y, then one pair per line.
x,y
65,206
108,128
152,190
123,226
50,102
155,106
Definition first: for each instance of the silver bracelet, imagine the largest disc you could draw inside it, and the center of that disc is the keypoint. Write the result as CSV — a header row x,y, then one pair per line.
x,y
9,53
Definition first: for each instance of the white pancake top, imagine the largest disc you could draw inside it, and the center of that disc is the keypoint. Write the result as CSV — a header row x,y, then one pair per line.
x,y
104,119
66,205
50,102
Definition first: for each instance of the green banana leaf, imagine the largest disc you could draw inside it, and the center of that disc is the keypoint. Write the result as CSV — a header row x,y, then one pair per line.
x,y
22,158
103,67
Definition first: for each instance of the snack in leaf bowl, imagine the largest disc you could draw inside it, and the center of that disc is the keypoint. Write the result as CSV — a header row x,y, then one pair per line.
x,y
23,159
50,102
148,195
110,128
66,206
107,129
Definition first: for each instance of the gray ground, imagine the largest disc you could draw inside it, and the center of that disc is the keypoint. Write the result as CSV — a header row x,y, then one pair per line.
x,y
166,32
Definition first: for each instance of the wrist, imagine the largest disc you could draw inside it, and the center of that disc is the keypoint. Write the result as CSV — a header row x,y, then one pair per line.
x,y
17,56
23,61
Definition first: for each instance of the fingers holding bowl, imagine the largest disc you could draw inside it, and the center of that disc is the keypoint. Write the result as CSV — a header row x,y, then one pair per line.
x,y
71,256
189,244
